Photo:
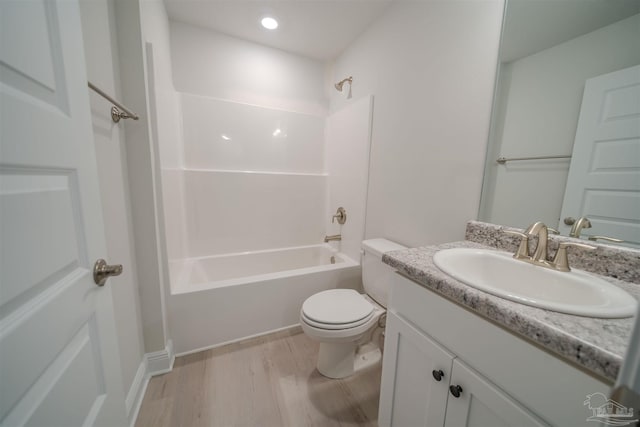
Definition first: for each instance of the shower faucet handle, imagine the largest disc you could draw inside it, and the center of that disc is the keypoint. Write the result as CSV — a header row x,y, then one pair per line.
x,y
341,214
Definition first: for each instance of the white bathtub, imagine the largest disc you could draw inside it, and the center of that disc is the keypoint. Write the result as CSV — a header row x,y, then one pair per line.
x,y
223,298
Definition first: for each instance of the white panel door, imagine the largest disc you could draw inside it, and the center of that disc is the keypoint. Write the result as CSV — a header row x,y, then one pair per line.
x,y
604,176
482,404
58,352
411,393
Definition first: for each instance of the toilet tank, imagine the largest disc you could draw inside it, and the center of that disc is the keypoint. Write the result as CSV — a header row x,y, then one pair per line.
x,y
376,276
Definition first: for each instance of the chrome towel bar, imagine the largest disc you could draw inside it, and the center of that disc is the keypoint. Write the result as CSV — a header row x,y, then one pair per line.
x,y
116,114
502,160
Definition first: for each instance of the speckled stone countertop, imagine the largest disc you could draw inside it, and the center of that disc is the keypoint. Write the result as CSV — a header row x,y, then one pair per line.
x,y
598,345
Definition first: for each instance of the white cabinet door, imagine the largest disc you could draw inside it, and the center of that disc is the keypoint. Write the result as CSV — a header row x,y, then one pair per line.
x,y
604,176
410,395
59,362
482,404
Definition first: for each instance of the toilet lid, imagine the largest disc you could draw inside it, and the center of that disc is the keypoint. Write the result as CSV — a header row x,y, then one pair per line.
x,y
335,327
337,306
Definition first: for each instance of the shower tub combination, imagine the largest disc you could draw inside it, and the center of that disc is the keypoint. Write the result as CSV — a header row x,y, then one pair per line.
x,y
224,298
265,189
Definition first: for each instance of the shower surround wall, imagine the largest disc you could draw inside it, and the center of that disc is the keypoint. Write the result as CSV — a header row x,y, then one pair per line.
x,y
251,175
255,172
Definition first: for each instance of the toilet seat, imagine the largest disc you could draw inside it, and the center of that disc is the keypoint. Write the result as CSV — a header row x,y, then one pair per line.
x,y
335,327
336,309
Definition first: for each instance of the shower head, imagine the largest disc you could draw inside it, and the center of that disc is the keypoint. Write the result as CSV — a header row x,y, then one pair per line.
x,y
342,82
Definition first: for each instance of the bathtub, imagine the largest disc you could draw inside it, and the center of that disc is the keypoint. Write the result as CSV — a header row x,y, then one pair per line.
x,y
219,299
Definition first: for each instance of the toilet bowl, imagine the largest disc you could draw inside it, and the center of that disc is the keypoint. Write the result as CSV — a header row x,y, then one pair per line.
x,y
347,323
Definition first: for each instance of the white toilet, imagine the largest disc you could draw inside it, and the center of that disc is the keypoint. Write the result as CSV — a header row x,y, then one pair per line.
x,y
345,322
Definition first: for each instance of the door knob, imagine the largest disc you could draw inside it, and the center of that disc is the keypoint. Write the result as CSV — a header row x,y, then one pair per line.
x,y
102,271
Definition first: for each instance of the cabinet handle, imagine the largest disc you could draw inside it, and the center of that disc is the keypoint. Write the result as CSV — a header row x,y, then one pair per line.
x,y
455,390
437,375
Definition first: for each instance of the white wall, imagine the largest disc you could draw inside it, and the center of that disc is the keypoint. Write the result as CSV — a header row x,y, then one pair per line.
x,y
168,113
542,94
431,68
144,177
219,66
431,112
347,147
102,68
156,31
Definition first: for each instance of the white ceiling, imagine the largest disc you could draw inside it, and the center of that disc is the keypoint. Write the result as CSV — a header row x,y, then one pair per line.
x,y
535,25
319,29
322,29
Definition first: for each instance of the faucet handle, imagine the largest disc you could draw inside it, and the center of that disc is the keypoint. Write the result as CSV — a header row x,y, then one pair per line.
x,y
515,233
606,239
553,230
523,248
561,261
341,215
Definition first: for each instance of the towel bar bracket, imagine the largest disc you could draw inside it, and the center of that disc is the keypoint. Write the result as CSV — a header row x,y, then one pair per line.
x,y
116,115
118,111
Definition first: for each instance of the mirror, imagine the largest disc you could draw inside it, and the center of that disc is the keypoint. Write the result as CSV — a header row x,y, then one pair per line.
x,y
549,49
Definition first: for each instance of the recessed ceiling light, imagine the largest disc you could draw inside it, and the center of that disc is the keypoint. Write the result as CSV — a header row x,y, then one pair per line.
x,y
269,23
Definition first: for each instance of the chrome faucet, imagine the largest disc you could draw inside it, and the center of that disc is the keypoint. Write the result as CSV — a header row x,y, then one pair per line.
x,y
327,239
541,253
576,228
560,261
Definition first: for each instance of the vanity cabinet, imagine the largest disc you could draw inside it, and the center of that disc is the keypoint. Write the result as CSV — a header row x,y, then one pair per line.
x,y
416,394
482,404
433,345
431,387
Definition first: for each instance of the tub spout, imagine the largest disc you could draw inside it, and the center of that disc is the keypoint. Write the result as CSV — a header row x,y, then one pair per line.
x,y
334,237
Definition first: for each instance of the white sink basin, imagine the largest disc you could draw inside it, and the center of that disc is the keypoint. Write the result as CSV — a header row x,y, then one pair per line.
x,y
574,292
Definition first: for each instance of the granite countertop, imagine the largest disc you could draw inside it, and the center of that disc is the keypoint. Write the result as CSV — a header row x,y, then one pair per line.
x,y
599,345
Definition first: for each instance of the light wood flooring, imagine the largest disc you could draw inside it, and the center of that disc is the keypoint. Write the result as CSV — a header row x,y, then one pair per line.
x,y
267,381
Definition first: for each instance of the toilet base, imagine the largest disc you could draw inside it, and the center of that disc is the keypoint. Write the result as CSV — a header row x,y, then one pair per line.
x,y
340,360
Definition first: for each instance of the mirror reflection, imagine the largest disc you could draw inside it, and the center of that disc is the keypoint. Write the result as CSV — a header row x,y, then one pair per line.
x,y
566,120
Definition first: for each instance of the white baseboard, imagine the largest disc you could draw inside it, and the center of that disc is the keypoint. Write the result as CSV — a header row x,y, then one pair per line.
x,y
136,392
160,362
156,363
